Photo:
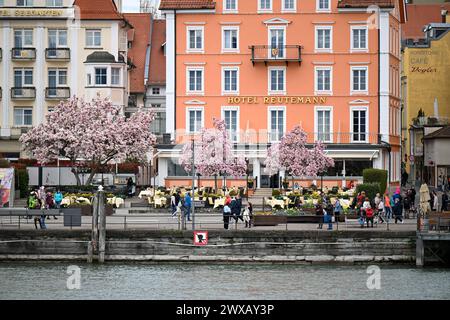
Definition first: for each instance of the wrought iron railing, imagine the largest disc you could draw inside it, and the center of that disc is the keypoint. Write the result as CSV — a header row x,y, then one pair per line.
x,y
267,53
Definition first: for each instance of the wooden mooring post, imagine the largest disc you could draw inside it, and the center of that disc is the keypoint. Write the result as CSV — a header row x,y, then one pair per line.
x,y
96,247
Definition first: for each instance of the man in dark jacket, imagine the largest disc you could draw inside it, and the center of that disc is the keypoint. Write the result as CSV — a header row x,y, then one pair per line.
x,y
444,202
236,208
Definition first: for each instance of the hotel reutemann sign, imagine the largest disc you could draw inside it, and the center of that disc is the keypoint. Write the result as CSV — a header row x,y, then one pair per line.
x,y
36,13
277,99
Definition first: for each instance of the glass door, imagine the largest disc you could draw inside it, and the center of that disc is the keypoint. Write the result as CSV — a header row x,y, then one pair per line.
x,y
277,44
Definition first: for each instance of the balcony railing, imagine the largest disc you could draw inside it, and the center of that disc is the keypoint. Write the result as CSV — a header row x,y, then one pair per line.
x,y
265,137
57,54
23,53
23,93
57,93
266,53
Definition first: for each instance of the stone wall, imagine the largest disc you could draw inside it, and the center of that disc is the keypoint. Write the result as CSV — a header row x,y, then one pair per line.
x,y
231,246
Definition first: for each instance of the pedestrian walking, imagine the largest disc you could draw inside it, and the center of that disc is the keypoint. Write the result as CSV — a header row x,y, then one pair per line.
x,y
320,213
248,215
380,211
187,206
58,197
236,208
337,209
226,216
435,201
173,204
397,209
387,207
369,216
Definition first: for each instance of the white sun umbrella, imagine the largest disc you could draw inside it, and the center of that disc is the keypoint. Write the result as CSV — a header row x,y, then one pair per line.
x,y
424,194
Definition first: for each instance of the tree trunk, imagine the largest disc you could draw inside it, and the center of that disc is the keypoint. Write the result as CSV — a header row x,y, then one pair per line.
x,y
77,176
91,177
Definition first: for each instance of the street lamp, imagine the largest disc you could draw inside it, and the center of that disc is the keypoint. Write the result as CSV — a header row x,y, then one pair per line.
x,y
246,179
193,183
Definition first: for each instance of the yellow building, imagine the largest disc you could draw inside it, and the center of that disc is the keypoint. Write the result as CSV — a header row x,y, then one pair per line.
x,y
51,50
425,94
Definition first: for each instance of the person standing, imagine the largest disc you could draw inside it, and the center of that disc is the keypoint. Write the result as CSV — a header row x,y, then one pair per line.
x,y
58,197
41,197
337,210
173,204
248,215
444,206
369,216
226,216
187,206
236,208
435,201
319,212
130,184
397,210
387,206
380,211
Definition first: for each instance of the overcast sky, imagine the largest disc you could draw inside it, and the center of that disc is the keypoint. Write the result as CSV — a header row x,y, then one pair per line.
x,y
133,5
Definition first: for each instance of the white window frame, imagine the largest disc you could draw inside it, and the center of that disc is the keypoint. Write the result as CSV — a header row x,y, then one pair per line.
x,y
23,117
269,81
316,80
94,31
318,9
230,92
237,109
316,122
269,121
352,48
58,70
359,108
283,7
52,3
269,40
261,10
230,28
316,39
225,10
120,77
352,90
58,31
22,31
188,119
195,92
95,77
22,70
195,50
26,3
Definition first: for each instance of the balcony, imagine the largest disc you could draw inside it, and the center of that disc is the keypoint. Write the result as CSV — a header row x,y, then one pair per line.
x,y
25,93
23,54
57,93
57,54
267,54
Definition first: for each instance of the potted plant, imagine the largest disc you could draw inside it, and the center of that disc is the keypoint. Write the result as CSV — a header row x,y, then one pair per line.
x,y
250,183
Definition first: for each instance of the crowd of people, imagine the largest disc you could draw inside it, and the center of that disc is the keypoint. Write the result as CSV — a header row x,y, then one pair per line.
x,y
42,199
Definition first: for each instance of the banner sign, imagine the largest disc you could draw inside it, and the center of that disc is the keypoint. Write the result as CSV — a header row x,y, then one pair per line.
x,y
6,187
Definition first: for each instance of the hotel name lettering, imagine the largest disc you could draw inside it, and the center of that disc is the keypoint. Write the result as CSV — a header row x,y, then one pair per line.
x,y
273,100
31,13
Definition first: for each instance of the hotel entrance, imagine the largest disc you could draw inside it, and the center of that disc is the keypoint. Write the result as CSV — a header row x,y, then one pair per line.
x,y
269,181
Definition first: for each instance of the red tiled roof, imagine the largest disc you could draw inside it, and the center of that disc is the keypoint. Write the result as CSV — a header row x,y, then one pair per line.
x,y
157,72
366,3
441,133
98,10
419,15
186,4
140,37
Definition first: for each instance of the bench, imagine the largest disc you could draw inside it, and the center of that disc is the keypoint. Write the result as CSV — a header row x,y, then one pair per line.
x,y
439,220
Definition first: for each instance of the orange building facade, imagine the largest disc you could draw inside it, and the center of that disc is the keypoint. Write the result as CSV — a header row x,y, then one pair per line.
x,y
265,66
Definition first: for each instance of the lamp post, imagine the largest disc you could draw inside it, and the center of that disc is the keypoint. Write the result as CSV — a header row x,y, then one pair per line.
x,y
246,179
193,183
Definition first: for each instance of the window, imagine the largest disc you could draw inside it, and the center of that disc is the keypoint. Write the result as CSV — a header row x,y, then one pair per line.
x,y
359,124
230,39
231,117
158,125
359,38
23,77
156,91
93,38
54,3
2,3
277,80
57,78
323,80
23,116
101,76
195,80
230,80
195,120
324,38
195,39
276,123
57,38
323,5
230,5
277,42
359,79
115,76
24,3
289,5
323,124
264,5
23,38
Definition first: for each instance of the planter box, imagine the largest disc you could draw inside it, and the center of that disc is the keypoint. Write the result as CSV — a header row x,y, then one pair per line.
x,y
87,210
270,220
303,219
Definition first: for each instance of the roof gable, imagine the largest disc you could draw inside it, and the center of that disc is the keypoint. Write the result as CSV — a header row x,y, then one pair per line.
x,y
186,4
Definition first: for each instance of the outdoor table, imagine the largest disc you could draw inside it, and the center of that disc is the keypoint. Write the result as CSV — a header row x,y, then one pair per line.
x,y
160,202
145,193
66,201
82,199
219,202
274,202
116,201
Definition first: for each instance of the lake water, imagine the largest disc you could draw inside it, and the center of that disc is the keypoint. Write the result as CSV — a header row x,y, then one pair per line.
x,y
48,280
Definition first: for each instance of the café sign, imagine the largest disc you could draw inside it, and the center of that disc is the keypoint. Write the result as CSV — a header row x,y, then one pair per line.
x,y
274,99
31,13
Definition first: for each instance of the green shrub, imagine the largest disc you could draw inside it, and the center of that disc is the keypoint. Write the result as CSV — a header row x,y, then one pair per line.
x,y
276,193
371,189
233,193
376,176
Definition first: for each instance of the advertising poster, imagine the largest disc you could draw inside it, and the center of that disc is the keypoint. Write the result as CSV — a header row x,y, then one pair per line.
x,y
6,185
